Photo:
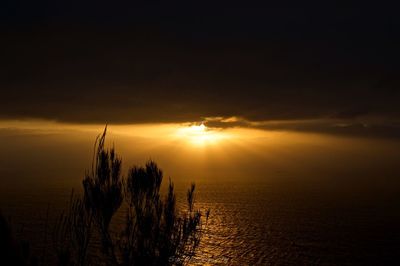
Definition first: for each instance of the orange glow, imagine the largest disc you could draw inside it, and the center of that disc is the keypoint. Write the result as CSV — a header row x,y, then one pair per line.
x,y
200,135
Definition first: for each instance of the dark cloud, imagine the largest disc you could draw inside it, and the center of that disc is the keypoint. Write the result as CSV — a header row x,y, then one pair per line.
x,y
151,63
365,127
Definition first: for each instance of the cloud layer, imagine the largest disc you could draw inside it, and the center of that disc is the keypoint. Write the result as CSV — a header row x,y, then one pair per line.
x,y
139,64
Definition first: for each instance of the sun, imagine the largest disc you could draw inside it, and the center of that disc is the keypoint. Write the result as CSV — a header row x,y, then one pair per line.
x,y
200,134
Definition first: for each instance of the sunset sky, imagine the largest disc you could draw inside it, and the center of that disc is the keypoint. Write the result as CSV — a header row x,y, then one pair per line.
x,y
237,82
286,116
319,68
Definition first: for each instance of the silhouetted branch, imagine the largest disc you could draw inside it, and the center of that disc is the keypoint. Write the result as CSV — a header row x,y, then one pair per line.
x,y
103,192
154,233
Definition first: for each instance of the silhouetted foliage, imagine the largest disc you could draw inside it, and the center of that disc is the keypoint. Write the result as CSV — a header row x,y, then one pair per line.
x,y
72,233
154,232
103,191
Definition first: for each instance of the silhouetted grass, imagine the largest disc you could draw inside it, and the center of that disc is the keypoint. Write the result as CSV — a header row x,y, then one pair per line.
x,y
154,232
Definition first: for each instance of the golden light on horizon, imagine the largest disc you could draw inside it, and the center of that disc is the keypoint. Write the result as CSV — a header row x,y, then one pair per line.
x,y
200,135
190,137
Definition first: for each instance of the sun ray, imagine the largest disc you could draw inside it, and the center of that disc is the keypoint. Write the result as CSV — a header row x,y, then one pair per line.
x,y
200,135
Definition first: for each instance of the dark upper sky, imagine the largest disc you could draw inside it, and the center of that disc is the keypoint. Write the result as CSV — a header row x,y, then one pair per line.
x,y
118,62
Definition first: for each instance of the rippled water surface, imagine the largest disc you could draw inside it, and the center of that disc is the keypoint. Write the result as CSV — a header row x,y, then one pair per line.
x,y
263,224
285,199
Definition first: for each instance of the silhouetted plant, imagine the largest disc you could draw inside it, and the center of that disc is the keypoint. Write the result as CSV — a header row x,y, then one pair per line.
x,y
103,191
72,233
154,232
